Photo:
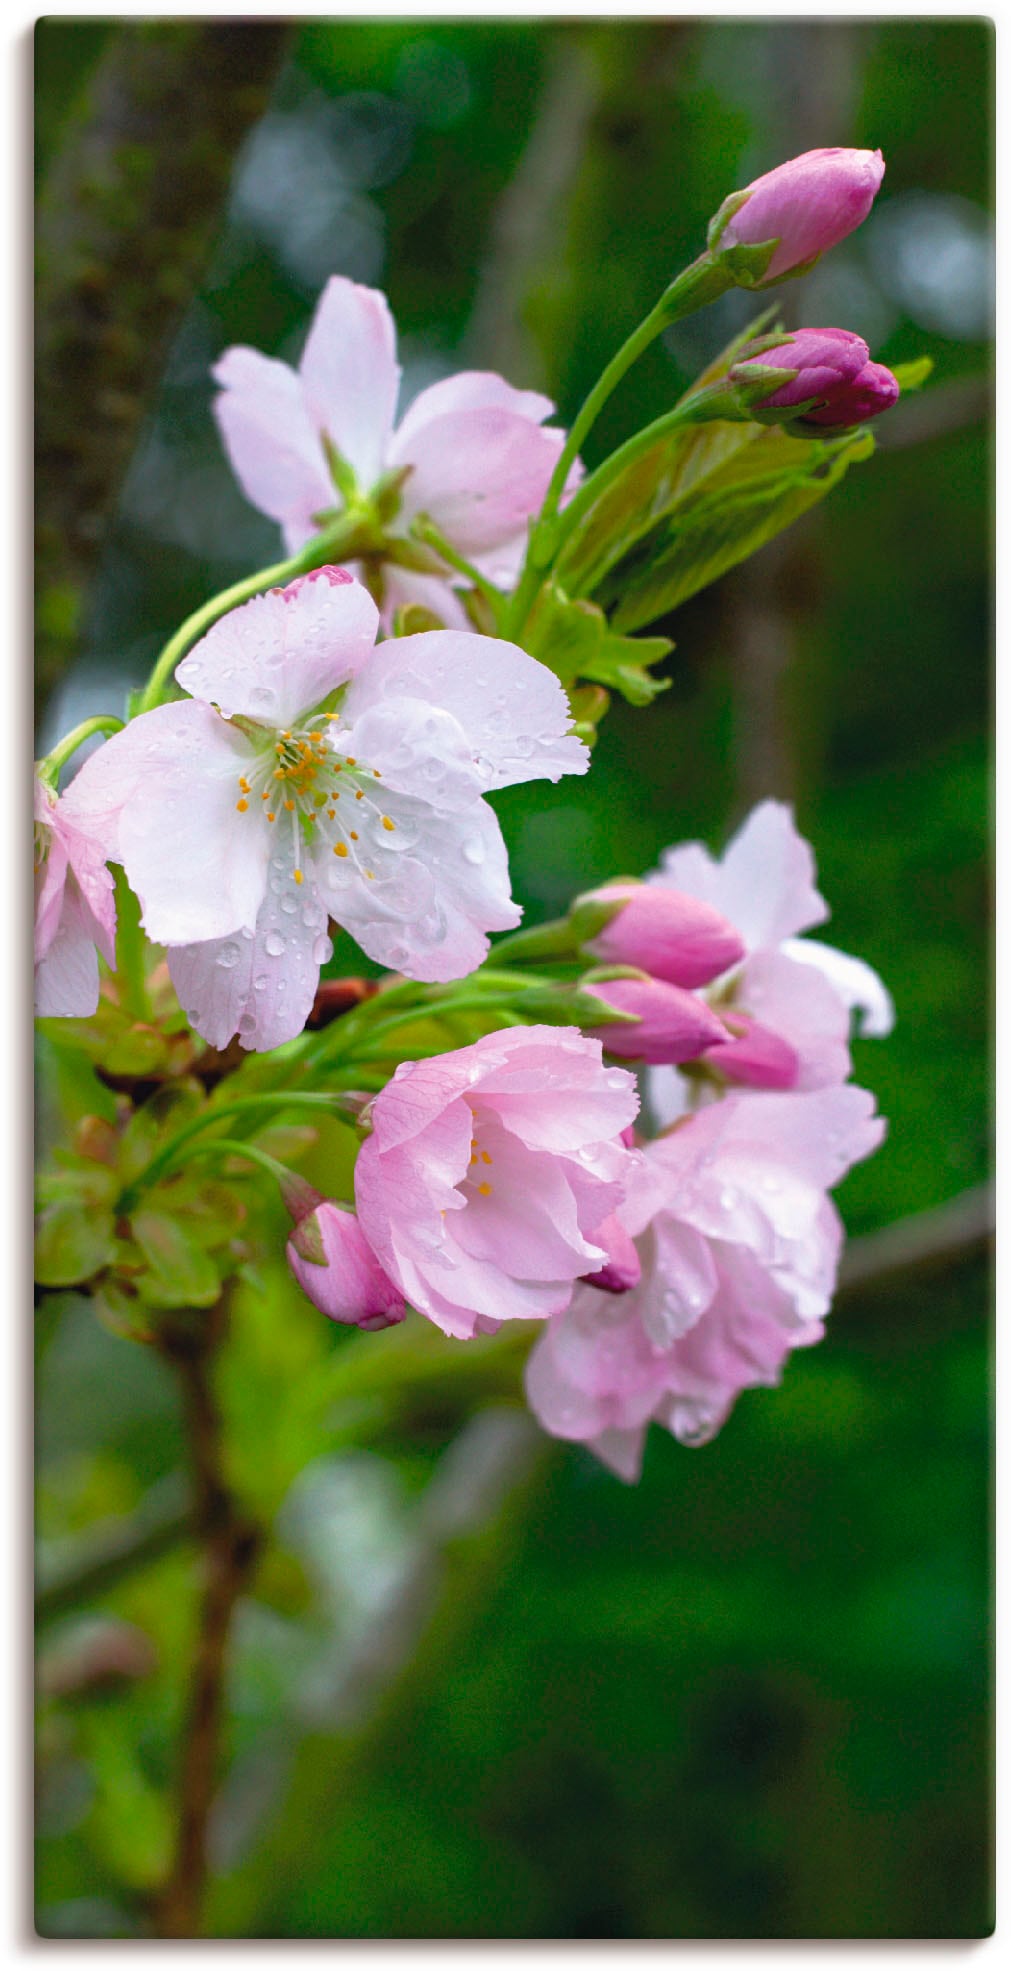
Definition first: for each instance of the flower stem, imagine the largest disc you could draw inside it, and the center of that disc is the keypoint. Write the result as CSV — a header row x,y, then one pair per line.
x,y
427,531
704,281
339,540
244,1105
49,768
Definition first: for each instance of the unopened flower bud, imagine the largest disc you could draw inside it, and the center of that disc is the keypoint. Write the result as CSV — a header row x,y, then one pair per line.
x,y
835,383
622,1268
755,1056
805,206
659,930
334,1264
671,1025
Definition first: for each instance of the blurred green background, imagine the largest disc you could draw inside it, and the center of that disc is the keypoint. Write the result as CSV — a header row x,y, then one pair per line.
x,y
481,1689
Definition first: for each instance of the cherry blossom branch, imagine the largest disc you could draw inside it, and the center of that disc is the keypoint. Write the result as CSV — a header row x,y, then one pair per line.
x,y
231,1545
49,768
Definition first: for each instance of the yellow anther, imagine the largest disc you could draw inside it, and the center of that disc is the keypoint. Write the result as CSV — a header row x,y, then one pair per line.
x,y
279,748
243,784
271,817
484,1190
286,735
340,848
280,774
353,834
359,795
331,814
242,806
298,876
290,805
376,775
371,874
388,824
350,759
485,1158
265,797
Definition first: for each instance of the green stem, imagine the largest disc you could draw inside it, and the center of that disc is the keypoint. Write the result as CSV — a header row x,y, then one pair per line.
x,y
230,1146
551,940
427,531
705,408
702,282
338,541
156,1169
49,768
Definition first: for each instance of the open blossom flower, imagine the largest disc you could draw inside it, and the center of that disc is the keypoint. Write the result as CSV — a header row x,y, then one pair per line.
x,y
738,1244
75,911
808,204
248,814
791,996
488,1172
475,457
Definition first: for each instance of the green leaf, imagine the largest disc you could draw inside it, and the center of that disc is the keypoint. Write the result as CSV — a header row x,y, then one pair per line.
x,y
631,504
74,1239
739,505
149,1128
182,1274
912,376
573,639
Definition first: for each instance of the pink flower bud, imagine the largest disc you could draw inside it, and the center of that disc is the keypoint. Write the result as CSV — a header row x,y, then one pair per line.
x,y
335,1265
833,367
622,1268
826,361
873,391
673,1025
808,204
672,936
756,1057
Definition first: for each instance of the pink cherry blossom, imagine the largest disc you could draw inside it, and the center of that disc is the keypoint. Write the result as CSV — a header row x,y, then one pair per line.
x,y
793,989
673,937
488,1172
75,911
251,812
808,204
476,458
671,1024
738,1243
336,1267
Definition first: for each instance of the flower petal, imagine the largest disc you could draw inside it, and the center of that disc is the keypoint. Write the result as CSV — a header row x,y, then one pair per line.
x,y
479,474
764,883
272,445
280,654
350,374
66,979
160,798
856,983
512,709
258,984
470,390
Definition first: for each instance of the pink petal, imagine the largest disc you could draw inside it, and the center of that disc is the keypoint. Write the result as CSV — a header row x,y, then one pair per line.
x,y
470,390
66,979
856,983
350,375
764,883
272,446
480,475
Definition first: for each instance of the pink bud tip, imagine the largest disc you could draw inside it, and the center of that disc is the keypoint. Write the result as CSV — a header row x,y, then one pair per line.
x,y
660,930
672,1025
334,1264
757,1057
621,1269
808,204
873,391
334,578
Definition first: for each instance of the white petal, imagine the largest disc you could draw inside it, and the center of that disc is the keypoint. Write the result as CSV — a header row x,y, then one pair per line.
x,y
161,797
66,980
512,709
258,984
480,475
856,983
280,654
272,446
350,374
764,883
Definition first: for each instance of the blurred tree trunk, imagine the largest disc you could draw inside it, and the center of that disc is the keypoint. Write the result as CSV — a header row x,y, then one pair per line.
x,y
125,215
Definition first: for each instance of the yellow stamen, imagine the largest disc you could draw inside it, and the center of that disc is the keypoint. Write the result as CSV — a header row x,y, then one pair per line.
x,y
388,824
353,834
359,796
271,817
340,848
298,875
485,1190
485,1158
290,805
243,784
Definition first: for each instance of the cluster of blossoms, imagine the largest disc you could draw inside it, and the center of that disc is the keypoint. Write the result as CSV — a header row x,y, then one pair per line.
x,y
324,762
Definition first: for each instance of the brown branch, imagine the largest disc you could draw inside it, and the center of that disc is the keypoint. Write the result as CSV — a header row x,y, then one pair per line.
x,y
124,222
231,1545
928,1243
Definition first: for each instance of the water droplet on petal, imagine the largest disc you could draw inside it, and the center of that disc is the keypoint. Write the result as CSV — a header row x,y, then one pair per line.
x,y
473,851
228,956
260,982
273,944
322,950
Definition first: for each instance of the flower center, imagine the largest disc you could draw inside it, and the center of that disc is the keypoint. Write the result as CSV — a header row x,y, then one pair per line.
x,y
477,1181
303,776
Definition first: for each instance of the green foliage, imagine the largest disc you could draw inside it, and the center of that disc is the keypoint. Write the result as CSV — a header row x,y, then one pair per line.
x,y
573,639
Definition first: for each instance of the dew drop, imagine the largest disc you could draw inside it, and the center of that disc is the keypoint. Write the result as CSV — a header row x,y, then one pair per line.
x,y
288,904
321,951
473,851
273,944
228,956
260,982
